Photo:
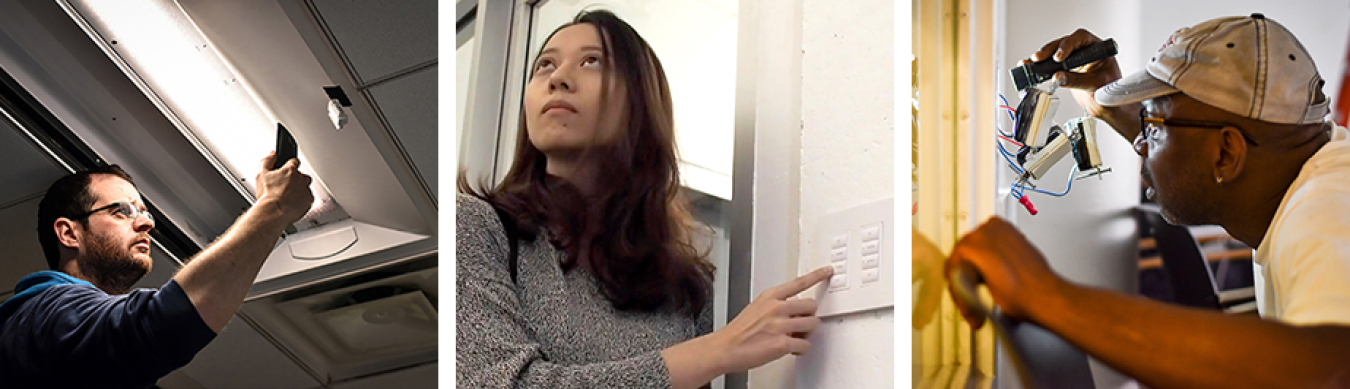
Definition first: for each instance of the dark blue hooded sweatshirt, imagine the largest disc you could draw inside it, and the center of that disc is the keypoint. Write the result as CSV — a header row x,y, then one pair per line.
x,y
59,331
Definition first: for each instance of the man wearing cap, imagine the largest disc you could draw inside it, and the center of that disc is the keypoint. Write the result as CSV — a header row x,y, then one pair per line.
x,y
1230,121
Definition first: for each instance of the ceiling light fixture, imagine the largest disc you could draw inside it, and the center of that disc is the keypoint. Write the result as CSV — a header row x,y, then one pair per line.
x,y
159,47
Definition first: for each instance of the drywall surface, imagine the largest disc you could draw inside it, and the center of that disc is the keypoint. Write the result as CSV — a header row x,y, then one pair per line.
x,y
848,159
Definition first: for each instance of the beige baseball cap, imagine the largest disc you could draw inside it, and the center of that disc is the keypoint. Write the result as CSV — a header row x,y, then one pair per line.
x,y
1248,65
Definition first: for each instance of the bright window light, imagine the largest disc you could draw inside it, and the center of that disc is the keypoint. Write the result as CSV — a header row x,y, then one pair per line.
x,y
159,46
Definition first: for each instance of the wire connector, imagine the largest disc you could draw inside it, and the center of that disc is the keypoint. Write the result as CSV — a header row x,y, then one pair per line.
x,y
1026,202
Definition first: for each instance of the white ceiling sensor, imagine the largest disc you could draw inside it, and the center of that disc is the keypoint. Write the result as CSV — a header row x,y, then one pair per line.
x,y
338,105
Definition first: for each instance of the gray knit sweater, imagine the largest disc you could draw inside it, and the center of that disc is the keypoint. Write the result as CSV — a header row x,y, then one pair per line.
x,y
551,329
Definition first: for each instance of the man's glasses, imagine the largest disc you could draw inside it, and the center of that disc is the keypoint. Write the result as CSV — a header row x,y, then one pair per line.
x,y
1149,125
123,209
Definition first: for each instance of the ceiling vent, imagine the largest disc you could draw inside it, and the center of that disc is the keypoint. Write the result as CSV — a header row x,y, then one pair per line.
x,y
358,326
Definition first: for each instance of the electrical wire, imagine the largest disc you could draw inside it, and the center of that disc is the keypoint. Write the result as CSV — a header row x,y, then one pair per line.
x,y
1019,187
1011,112
1067,187
1007,156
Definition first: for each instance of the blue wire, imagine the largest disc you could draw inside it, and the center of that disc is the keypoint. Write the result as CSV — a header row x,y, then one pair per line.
x,y
1016,190
1060,194
1007,156
1010,114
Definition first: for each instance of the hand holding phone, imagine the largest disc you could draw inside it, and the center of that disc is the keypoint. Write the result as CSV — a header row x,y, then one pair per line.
x,y
286,148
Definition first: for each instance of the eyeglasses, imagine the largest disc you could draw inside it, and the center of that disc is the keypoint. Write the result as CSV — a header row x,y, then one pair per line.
x,y
123,209
1148,125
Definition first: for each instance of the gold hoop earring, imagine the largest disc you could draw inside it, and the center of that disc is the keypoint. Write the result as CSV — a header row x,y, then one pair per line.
x,y
1218,180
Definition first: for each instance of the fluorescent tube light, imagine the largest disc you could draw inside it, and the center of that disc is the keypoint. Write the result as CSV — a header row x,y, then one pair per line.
x,y
163,51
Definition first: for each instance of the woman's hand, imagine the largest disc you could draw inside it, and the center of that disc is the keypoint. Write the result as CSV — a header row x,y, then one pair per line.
x,y
770,327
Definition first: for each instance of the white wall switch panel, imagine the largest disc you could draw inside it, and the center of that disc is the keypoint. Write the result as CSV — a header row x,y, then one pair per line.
x,y
859,241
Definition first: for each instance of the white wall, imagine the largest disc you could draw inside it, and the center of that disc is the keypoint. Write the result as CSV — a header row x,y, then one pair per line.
x,y
463,66
1090,236
847,159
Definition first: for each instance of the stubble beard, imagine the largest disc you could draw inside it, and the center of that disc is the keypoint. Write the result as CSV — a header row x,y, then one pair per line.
x,y
111,267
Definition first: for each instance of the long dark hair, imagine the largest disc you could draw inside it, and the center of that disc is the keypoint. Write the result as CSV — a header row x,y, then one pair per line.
x,y
634,234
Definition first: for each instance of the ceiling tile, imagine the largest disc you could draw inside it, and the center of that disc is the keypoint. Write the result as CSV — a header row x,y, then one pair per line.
x,y
423,376
409,105
239,348
381,37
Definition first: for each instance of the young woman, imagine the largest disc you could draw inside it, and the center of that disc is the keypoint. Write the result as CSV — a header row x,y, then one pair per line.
x,y
578,270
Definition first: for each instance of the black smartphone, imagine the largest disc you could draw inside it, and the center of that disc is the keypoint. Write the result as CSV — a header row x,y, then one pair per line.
x,y
285,147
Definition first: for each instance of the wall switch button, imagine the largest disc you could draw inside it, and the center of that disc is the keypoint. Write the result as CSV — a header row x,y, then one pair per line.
x,y
838,282
839,255
839,241
871,261
839,267
871,247
872,232
870,275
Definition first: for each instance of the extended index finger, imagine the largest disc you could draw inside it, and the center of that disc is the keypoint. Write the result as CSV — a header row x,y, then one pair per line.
x,y
799,284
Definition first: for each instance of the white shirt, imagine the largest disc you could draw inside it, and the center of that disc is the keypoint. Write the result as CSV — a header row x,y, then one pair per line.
x,y
1302,266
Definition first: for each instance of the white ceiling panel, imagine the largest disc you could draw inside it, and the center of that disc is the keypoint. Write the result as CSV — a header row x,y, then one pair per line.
x,y
274,59
240,357
178,380
409,105
423,376
381,37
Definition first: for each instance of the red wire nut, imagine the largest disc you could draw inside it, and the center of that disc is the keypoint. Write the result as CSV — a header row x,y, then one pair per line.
x,y
1026,202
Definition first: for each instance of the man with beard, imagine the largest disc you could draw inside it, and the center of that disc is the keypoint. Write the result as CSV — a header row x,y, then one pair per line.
x,y
80,325
1229,118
